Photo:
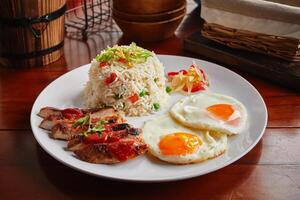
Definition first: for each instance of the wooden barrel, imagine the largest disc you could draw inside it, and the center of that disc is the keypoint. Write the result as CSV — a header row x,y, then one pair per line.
x,y
31,32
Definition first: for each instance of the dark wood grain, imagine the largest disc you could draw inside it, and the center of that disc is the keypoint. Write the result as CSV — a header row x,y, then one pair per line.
x,y
270,171
277,146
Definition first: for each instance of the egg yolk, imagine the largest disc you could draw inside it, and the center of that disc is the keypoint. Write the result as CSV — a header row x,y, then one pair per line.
x,y
221,111
179,144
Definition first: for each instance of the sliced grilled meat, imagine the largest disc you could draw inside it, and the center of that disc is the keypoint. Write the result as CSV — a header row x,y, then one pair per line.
x,y
65,131
49,122
102,113
119,127
110,153
134,131
76,143
60,122
94,135
96,154
49,111
70,112
111,146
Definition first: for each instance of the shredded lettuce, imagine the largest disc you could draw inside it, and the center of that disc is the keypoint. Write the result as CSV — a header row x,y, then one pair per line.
x,y
129,55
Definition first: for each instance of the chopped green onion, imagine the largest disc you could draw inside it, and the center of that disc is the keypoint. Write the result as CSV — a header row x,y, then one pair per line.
x,y
131,53
97,129
98,126
83,120
156,106
101,122
142,93
168,89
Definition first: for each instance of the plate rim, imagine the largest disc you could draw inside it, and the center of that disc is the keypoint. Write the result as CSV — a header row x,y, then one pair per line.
x,y
133,179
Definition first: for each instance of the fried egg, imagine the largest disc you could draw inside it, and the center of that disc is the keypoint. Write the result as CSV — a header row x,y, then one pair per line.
x,y
169,141
211,111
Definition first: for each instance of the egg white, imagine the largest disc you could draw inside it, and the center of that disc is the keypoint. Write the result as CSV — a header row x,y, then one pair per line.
x,y
191,112
214,144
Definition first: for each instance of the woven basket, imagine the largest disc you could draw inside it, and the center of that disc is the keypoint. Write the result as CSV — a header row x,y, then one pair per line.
x,y
282,47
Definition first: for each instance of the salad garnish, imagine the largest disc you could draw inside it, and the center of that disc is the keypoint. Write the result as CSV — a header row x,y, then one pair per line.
x,y
122,54
192,80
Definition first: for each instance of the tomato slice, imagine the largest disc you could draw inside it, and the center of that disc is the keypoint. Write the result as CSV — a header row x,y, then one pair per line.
x,y
134,98
103,64
123,150
184,72
93,138
112,139
195,88
111,78
203,74
72,113
122,60
172,73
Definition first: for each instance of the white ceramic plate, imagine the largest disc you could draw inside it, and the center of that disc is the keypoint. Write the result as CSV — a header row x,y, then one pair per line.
x,y
65,92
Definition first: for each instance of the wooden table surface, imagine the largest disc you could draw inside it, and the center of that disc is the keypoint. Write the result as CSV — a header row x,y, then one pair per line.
x,y
271,170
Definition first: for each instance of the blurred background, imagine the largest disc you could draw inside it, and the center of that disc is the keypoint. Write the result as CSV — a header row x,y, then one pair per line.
x,y
34,33
260,37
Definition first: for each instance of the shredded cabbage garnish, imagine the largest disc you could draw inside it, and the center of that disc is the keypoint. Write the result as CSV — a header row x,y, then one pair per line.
x,y
128,55
190,80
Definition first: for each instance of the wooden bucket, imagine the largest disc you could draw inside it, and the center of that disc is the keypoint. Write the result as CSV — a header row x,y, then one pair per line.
x,y
31,32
